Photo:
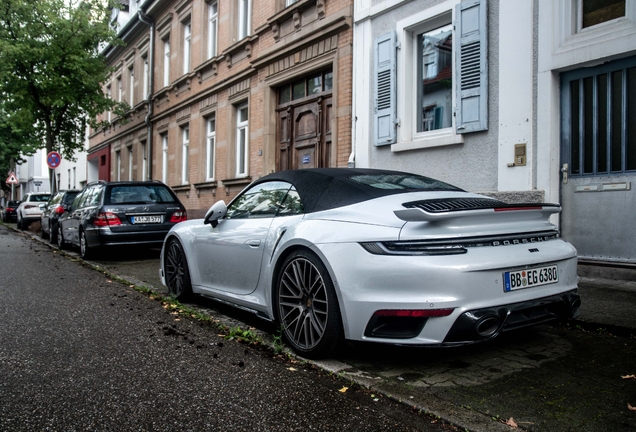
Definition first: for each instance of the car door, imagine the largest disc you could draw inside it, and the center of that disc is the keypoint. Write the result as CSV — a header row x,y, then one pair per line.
x,y
229,255
70,226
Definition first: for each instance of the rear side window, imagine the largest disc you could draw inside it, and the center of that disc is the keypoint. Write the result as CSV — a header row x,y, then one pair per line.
x,y
56,199
69,197
39,198
139,194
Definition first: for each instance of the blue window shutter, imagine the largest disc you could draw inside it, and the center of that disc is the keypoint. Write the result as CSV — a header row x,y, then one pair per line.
x,y
384,127
471,66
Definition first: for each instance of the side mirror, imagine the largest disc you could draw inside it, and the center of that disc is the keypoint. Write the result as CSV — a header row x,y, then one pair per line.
x,y
42,207
216,212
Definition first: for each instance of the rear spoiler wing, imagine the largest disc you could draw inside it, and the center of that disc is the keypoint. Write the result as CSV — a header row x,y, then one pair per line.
x,y
421,215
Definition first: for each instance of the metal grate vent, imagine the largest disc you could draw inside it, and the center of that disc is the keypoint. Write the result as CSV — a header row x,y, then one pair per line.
x,y
455,204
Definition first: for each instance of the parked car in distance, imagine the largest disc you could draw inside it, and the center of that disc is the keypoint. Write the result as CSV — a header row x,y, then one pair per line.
x,y
53,209
29,209
376,256
8,213
106,214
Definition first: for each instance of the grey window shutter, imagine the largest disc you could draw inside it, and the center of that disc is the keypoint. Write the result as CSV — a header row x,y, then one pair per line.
x,y
384,126
471,66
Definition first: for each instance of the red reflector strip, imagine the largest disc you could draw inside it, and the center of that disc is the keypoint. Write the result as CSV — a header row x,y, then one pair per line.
x,y
517,208
415,313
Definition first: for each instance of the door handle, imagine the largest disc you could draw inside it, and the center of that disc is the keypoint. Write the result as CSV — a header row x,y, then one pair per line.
x,y
254,243
564,171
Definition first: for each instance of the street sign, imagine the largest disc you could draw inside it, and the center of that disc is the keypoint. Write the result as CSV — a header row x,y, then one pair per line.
x,y
12,179
37,183
53,159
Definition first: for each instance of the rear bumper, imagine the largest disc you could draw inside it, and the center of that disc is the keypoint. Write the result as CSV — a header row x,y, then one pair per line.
x,y
486,323
106,237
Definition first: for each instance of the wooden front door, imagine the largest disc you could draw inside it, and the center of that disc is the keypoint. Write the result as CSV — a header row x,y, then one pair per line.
x,y
304,125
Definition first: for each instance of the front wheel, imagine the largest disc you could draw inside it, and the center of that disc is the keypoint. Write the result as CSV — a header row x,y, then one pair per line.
x,y
44,233
60,238
21,224
177,275
52,233
307,306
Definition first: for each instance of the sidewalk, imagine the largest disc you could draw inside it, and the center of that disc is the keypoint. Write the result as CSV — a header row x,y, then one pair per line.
x,y
608,298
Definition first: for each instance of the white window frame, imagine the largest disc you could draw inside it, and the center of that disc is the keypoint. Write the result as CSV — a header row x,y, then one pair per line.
x,y
144,163
131,86
213,28
242,128
570,45
244,18
119,89
166,62
130,163
187,45
210,147
164,158
185,154
407,111
118,165
109,95
146,90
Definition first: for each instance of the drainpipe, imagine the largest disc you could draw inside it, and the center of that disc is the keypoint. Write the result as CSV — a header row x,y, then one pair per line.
x,y
151,84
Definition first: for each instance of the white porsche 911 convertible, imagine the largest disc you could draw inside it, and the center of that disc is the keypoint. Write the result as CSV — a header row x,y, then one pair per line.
x,y
375,255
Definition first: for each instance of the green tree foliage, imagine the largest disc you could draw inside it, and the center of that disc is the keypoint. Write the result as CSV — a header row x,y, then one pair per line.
x,y
51,74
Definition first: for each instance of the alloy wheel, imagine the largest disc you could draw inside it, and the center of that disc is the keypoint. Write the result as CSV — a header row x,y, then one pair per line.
x,y
303,303
176,267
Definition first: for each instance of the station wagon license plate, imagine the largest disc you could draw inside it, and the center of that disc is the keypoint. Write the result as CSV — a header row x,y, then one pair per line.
x,y
515,280
145,219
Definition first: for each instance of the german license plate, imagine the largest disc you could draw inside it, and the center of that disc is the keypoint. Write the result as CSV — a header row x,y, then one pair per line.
x,y
515,280
145,219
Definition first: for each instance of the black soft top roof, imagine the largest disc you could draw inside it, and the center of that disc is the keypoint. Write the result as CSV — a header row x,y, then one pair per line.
x,y
329,188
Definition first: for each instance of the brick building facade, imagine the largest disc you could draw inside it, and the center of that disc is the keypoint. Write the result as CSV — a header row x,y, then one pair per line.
x,y
223,92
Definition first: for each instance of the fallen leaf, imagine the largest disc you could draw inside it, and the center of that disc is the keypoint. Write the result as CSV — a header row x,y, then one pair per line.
x,y
511,422
292,369
343,390
629,377
631,408
110,281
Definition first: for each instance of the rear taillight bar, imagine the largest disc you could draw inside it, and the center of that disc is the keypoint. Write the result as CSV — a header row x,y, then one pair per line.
x,y
179,216
106,219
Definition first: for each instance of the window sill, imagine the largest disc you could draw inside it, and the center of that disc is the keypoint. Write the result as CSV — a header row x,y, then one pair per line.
x,y
240,182
431,139
179,188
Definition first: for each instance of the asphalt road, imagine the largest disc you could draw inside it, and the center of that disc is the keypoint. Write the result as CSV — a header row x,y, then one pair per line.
x,y
81,351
